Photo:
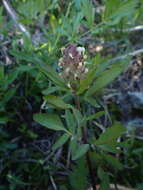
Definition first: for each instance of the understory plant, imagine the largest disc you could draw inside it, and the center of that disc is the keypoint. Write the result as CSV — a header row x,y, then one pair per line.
x,y
71,106
81,145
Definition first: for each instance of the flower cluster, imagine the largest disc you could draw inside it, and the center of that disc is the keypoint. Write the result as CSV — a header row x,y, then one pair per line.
x,y
73,63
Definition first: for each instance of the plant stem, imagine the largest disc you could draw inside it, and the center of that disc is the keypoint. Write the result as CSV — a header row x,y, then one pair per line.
x,y
88,160
91,172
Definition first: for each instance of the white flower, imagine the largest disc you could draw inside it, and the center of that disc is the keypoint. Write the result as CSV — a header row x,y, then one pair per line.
x,y
62,49
86,70
75,76
71,55
79,65
61,60
67,70
80,50
69,85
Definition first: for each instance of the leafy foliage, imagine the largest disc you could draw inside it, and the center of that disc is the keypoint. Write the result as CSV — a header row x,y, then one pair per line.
x,y
54,135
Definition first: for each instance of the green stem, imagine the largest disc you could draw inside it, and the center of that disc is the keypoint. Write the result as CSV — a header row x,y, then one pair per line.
x,y
88,160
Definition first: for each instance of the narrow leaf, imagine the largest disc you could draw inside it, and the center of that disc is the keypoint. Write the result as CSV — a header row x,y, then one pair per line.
x,y
81,150
92,101
61,141
103,176
50,121
4,120
78,116
104,79
85,82
94,116
111,134
57,102
70,120
52,75
78,176
113,161
52,90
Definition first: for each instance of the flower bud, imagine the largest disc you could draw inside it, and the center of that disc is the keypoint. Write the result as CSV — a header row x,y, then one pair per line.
x,y
61,60
80,65
86,70
62,49
70,55
69,85
67,70
80,50
75,76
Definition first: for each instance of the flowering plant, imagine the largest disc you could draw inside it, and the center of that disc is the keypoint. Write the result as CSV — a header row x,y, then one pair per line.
x,y
77,86
73,64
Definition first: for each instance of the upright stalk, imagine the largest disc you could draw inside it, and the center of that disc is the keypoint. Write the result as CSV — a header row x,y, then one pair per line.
x,y
88,160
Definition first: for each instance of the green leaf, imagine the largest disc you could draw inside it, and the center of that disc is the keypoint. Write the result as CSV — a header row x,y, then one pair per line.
x,y
92,101
50,121
10,78
96,159
1,73
110,8
30,9
88,11
94,116
111,134
51,90
104,79
16,180
76,23
8,95
70,120
113,161
63,187
85,82
78,176
110,147
103,176
1,17
78,116
26,56
25,68
52,75
4,120
80,151
61,141
114,14
95,68
57,102
73,145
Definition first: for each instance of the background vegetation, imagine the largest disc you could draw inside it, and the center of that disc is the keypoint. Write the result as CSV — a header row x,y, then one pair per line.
x,y
53,136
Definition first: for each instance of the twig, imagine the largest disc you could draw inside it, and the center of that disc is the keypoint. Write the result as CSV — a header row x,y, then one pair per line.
x,y
103,129
133,29
14,17
136,52
53,183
